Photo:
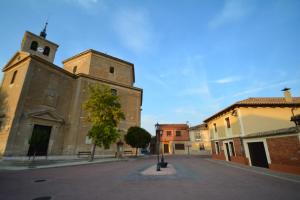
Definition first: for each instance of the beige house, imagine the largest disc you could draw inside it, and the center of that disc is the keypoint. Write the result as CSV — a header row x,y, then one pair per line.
x,y
258,132
44,100
199,139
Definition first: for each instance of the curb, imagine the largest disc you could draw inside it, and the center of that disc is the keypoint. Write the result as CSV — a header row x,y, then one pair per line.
x,y
16,168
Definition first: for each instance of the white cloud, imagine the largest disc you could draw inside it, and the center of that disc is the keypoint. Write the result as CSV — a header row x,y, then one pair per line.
x,y
148,122
186,110
87,4
202,90
158,80
228,79
266,86
233,10
193,77
134,29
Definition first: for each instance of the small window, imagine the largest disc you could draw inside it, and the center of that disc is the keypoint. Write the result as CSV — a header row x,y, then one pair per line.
x,y
197,136
46,51
34,45
74,69
88,140
227,122
112,70
202,147
179,146
215,126
114,92
169,133
13,77
178,133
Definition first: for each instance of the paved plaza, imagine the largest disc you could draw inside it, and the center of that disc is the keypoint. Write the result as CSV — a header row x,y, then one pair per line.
x,y
191,178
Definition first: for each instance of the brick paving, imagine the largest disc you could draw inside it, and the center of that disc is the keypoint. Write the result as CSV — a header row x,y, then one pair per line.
x,y
195,178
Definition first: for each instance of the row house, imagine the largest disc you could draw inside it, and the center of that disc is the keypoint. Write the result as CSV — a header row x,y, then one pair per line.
x,y
174,138
200,140
258,132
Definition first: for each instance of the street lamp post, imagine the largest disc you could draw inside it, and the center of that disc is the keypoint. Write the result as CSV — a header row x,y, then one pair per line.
x,y
157,129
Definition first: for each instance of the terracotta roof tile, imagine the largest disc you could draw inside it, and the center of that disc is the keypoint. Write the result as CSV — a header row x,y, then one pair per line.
x,y
273,132
173,124
259,101
268,100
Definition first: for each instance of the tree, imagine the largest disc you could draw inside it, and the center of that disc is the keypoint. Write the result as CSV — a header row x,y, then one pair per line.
x,y
137,137
104,112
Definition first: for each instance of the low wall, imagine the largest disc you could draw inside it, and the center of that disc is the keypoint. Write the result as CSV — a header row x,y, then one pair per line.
x,y
59,157
202,152
285,168
240,159
219,156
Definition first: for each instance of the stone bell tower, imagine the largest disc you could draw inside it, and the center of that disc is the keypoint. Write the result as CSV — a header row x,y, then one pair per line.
x,y
38,45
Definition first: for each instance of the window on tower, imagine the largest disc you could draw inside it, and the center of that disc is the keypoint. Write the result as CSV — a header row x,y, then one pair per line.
x,y
46,51
74,69
112,70
13,77
34,45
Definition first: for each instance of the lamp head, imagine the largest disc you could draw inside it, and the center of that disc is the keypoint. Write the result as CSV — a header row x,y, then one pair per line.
x,y
156,126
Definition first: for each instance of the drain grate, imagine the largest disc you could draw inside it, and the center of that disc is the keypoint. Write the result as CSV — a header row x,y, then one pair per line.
x,y
43,198
39,180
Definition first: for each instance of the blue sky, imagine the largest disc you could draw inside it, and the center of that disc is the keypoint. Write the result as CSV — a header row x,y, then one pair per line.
x,y
192,58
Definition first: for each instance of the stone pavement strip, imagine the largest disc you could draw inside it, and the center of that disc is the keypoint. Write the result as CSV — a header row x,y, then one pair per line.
x,y
39,164
151,171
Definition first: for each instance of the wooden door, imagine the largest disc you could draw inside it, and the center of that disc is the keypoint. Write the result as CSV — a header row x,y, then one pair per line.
x,y
166,148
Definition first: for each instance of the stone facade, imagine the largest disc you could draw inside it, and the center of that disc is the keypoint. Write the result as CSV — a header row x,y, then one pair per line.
x,y
41,93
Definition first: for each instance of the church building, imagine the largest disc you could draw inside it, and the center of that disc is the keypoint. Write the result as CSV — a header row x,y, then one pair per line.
x,y
44,100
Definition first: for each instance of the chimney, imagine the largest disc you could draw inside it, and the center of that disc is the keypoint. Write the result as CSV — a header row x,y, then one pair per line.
x,y
287,95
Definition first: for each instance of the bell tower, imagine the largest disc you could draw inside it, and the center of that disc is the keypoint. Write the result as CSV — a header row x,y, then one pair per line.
x,y
39,45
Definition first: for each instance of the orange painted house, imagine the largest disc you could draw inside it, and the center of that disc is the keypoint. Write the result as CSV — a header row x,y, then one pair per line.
x,y
174,138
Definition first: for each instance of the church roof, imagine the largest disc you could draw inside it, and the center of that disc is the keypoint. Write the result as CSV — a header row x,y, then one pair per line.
x,y
173,125
42,38
102,54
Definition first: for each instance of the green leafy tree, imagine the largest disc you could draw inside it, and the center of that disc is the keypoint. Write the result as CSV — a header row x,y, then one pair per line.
x,y
137,137
104,112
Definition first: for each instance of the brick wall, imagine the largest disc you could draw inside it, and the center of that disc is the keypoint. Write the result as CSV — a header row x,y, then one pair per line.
x,y
213,148
221,155
285,154
284,150
239,150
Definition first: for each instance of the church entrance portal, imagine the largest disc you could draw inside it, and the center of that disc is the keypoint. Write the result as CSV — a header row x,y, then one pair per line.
x,y
39,140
